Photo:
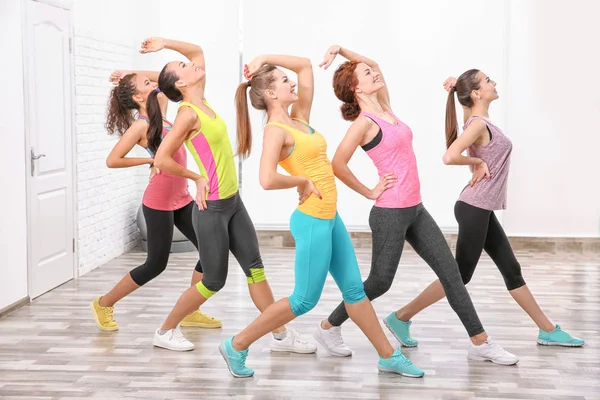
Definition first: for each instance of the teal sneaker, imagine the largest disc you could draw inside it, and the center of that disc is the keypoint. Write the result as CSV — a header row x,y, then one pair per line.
x,y
558,337
400,330
398,364
236,360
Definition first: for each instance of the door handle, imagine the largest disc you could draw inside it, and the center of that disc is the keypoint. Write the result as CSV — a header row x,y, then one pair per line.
x,y
33,158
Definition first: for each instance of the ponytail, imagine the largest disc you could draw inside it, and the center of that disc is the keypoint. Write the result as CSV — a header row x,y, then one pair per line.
x,y
244,129
155,120
451,122
466,83
120,106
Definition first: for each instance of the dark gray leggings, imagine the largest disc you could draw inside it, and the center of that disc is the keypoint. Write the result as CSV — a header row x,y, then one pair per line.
x,y
390,227
160,236
225,225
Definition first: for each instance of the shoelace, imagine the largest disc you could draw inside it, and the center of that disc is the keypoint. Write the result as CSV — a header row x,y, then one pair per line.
x,y
496,350
336,336
178,336
403,359
109,312
296,337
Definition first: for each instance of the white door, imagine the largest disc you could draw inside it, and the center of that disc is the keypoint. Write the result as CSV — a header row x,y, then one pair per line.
x,y
50,151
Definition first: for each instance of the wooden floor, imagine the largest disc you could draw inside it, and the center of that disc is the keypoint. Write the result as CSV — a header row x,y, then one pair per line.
x,y
52,349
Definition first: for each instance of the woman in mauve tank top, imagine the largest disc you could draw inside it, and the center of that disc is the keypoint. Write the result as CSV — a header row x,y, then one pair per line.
x,y
488,158
166,202
398,214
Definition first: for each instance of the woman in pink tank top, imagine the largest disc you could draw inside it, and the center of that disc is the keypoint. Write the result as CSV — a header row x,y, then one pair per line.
x,y
166,201
398,214
488,158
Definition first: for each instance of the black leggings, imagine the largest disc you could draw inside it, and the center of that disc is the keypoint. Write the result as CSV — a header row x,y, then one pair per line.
x,y
391,227
225,225
478,230
159,226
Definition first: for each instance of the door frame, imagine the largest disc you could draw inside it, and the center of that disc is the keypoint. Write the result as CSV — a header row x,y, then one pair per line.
x,y
65,5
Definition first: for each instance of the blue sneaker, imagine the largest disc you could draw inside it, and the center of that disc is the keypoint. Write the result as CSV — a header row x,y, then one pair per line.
x,y
236,360
400,330
398,364
558,337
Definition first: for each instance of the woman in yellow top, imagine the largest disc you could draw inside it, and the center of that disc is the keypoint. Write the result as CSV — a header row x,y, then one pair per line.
x,y
222,224
322,241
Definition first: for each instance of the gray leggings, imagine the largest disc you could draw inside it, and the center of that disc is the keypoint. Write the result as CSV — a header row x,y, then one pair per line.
x,y
225,225
390,227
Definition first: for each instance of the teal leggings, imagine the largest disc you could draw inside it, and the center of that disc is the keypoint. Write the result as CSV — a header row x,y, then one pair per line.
x,y
322,246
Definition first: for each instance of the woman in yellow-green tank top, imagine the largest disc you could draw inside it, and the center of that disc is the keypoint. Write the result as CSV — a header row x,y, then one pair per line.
x,y
322,241
220,221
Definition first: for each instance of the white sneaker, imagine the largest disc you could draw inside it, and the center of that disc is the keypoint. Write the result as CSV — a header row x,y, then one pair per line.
x,y
491,351
331,340
172,340
292,344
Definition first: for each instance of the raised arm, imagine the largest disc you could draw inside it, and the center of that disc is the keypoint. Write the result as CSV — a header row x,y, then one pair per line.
x,y
383,95
270,179
192,52
306,82
132,136
354,137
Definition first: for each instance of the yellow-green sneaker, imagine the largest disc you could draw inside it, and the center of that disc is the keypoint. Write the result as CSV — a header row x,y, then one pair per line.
x,y
104,316
198,319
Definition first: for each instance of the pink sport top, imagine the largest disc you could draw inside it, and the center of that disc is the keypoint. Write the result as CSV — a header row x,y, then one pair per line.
x,y
490,194
392,152
167,192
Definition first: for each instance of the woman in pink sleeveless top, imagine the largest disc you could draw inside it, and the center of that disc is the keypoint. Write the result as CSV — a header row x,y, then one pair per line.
x,y
488,158
398,214
166,202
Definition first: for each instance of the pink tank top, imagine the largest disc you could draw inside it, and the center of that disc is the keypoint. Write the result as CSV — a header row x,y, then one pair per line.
x,y
490,194
167,192
391,151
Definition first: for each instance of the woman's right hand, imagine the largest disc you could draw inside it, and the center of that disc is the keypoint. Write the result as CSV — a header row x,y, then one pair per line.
x,y
116,76
330,55
449,84
152,44
202,191
386,182
480,171
305,189
252,67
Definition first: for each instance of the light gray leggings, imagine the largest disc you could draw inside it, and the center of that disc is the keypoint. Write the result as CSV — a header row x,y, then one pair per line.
x,y
390,227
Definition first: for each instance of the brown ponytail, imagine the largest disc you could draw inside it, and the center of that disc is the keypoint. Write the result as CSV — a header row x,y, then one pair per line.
x,y
244,129
451,122
344,84
166,85
466,83
261,80
120,105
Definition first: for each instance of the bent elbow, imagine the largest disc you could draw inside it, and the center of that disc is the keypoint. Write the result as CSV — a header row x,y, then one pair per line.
x,y
448,159
110,163
266,183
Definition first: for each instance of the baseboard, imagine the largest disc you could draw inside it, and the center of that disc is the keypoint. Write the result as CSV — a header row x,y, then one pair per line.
x,y
283,238
18,304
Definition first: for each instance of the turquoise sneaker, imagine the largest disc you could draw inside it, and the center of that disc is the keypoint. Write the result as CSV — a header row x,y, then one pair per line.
x,y
558,337
400,330
236,360
398,364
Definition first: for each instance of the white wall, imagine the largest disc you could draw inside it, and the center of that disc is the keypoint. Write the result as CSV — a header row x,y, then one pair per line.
x,y
13,201
417,44
553,115
107,37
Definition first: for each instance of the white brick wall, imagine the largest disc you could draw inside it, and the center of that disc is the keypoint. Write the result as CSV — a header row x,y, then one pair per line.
x,y
107,199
